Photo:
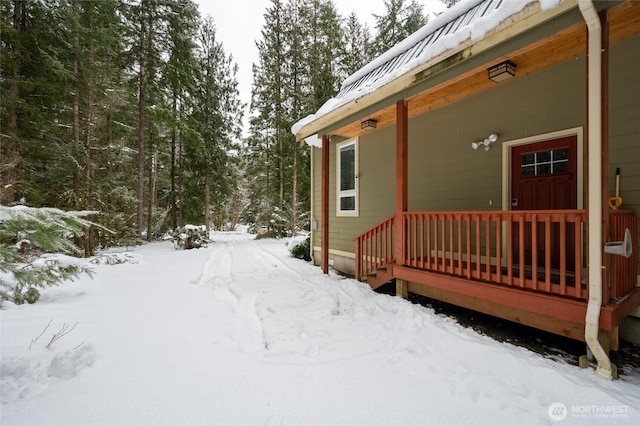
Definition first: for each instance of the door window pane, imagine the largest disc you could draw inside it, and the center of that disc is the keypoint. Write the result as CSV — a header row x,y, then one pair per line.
x,y
544,162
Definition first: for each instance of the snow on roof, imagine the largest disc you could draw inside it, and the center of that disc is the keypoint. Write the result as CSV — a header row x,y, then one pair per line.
x,y
468,19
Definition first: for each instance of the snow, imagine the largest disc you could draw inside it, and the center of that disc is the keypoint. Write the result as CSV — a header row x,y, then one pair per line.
x,y
475,31
242,333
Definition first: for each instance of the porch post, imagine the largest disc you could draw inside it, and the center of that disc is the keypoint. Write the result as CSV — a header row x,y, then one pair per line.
x,y
402,125
324,206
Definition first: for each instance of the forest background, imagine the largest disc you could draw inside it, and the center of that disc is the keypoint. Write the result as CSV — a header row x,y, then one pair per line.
x,y
131,109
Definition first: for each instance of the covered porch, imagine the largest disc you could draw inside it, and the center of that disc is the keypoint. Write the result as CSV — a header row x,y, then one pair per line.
x,y
524,266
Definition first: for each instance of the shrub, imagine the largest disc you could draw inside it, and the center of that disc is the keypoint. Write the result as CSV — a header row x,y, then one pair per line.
x,y
190,237
299,248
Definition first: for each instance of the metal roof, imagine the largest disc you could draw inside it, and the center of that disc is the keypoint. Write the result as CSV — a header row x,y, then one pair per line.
x,y
483,8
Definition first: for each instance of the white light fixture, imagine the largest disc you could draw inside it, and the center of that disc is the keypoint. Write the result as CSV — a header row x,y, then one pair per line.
x,y
485,143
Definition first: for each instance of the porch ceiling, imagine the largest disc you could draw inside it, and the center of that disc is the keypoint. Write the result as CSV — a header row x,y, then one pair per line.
x,y
624,21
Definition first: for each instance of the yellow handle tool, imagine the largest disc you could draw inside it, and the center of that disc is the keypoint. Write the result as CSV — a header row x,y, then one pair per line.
x,y
616,202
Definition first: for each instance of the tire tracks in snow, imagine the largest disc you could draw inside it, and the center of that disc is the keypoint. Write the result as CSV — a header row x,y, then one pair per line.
x,y
219,272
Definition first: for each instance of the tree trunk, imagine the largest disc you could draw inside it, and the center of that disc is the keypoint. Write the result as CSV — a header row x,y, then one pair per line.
x,y
88,238
294,192
141,120
180,191
14,91
153,177
76,85
9,145
207,199
174,213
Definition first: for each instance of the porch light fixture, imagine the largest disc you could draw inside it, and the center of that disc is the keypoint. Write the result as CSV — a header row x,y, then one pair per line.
x,y
369,124
485,143
501,72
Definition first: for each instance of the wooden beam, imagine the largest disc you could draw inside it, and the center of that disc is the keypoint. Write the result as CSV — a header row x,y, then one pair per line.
x,y
402,138
529,301
548,323
324,219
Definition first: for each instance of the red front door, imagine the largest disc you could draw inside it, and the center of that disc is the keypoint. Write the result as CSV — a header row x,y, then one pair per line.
x,y
544,177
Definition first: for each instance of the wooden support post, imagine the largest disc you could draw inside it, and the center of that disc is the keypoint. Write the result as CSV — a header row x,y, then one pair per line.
x,y
402,289
402,125
324,217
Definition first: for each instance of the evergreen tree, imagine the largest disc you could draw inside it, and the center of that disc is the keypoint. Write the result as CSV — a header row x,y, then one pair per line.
x,y
357,43
301,43
27,235
398,23
211,153
268,129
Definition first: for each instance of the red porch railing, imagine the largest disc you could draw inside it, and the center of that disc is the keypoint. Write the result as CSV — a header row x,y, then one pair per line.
x,y
374,248
542,250
536,250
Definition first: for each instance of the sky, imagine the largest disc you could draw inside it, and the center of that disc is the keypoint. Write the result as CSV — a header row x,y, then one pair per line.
x,y
241,333
238,27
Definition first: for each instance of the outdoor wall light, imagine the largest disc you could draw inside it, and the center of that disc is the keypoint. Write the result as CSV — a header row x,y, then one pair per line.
x,y
501,72
369,124
486,143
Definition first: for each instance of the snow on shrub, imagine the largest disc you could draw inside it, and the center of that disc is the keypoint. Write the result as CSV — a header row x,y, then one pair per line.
x,y
190,236
115,258
35,249
299,247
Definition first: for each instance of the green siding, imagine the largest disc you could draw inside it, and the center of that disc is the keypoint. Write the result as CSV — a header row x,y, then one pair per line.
x,y
624,122
446,174
376,181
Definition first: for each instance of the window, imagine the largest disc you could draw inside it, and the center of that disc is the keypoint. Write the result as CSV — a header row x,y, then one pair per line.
x,y
346,175
544,163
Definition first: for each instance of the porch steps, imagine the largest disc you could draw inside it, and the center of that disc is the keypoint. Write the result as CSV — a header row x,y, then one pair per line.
x,y
379,277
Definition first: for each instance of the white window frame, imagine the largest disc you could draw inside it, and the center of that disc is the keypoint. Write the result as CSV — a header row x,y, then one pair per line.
x,y
351,192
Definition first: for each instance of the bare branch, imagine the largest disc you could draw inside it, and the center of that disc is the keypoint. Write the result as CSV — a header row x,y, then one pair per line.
x,y
61,333
40,335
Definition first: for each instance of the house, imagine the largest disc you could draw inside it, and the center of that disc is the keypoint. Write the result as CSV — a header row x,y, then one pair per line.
x,y
475,163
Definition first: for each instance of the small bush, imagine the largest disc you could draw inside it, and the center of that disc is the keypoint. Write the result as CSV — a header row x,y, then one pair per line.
x,y
190,237
30,296
299,248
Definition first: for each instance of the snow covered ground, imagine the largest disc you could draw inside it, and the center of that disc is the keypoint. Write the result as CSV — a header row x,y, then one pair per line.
x,y
241,333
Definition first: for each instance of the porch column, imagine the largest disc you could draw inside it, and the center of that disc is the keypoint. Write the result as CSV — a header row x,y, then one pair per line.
x,y
324,206
402,125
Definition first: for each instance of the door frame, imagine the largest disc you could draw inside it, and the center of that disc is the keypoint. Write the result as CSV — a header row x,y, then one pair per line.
x,y
507,146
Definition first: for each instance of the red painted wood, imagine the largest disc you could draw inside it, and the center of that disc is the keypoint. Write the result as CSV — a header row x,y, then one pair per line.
x,y
324,219
432,254
402,131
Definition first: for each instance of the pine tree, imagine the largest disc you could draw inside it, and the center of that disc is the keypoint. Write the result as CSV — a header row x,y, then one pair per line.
x,y
218,114
296,73
357,42
398,23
